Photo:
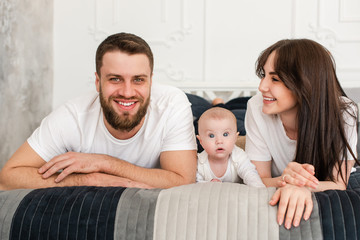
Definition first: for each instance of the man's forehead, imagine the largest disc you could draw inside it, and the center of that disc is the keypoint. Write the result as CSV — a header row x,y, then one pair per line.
x,y
114,61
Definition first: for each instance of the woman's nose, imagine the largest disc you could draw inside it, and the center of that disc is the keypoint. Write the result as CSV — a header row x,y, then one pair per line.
x,y
264,85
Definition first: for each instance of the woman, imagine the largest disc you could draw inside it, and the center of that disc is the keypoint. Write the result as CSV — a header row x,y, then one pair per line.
x,y
301,129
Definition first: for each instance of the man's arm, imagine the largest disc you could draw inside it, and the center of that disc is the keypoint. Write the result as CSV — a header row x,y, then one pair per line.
x,y
177,168
21,171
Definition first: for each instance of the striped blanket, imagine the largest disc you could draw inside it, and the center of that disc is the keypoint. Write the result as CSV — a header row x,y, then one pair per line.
x,y
195,211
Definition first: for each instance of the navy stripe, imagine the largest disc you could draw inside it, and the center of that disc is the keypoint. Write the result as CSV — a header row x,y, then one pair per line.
x,y
67,213
340,210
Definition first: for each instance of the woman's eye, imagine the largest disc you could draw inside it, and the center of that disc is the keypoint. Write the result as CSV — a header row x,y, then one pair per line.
x,y
275,80
211,135
226,134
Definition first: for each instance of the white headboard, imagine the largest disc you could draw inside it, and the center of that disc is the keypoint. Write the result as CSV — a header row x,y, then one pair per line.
x,y
227,91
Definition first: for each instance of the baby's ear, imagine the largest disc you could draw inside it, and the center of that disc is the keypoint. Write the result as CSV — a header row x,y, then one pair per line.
x,y
198,137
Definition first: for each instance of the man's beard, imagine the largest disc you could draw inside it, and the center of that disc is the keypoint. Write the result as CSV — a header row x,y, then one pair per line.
x,y
123,122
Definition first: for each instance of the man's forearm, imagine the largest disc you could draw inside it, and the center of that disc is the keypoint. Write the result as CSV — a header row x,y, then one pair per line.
x,y
28,177
177,168
158,178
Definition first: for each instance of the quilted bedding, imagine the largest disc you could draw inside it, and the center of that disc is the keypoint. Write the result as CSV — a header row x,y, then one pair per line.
x,y
196,211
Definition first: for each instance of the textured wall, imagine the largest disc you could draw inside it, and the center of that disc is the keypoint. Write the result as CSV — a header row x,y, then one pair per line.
x,y
26,69
201,45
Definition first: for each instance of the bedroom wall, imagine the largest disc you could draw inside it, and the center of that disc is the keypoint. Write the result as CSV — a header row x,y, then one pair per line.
x,y
47,47
201,44
26,70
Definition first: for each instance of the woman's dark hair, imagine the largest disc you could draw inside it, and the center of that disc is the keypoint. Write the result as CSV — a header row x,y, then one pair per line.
x,y
308,70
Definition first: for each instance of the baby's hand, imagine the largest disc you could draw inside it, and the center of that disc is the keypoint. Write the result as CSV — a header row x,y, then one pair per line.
x,y
215,180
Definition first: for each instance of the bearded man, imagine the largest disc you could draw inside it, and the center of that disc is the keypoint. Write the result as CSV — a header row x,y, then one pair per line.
x,y
131,132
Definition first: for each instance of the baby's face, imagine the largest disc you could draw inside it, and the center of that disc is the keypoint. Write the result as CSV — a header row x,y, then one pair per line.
x,y
218,137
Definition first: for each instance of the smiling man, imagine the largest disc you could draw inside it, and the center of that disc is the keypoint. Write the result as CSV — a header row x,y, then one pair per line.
x,y
131,133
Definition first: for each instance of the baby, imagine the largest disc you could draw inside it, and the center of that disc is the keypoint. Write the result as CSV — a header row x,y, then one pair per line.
x,y
222,160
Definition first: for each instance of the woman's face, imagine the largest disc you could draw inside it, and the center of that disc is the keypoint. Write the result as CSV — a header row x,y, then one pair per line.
x,y
277,98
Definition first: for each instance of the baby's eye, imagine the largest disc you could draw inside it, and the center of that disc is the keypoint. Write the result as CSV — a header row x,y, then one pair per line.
x,y
226,134
211,135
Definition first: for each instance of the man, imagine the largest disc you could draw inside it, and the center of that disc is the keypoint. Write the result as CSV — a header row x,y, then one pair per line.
x,y
132,133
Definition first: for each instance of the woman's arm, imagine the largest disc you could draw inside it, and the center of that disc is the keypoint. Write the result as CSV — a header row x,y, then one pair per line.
x,y
339,183
264,170
295,201
296,174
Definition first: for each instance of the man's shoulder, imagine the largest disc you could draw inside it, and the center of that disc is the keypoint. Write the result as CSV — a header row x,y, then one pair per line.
x,y
84,103
165,90
167,95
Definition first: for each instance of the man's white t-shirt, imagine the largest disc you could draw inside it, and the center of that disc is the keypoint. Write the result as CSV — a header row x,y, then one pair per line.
x,y
266,138
78,126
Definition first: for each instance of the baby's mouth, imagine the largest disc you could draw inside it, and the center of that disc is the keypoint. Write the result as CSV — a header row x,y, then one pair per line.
x,y
220,149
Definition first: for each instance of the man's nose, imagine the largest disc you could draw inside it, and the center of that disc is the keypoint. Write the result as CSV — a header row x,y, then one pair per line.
x,y
127,90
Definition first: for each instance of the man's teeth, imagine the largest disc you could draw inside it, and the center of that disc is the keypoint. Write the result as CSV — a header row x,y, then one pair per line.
x,y
126,104
269,99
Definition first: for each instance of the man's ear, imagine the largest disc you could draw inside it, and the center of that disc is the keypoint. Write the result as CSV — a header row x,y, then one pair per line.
x,y
199,138
237,133
97,82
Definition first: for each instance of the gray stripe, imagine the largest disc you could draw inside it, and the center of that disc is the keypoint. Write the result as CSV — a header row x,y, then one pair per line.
x,y
135,214
215,211
307,230
9,201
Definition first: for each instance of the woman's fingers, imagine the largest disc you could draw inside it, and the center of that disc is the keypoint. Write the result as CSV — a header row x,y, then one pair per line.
x,y
300,175
309,207
292,202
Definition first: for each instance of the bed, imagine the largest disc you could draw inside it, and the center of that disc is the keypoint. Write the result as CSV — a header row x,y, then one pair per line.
x,y
195,211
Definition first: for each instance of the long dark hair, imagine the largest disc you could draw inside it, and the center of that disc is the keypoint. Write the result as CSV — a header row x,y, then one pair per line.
x,y
308,70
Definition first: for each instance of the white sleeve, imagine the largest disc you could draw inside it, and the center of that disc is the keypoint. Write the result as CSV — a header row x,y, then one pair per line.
x,y
199,177
200,173
58,133
245,169
179,127
350,129
255,145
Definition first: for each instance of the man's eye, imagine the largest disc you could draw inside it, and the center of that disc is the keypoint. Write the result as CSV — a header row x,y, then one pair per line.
x,y
211,135
138,80
115,79
226,134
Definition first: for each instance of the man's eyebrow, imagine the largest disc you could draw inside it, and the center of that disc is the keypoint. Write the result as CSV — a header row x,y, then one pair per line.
x,y
113,75
141,75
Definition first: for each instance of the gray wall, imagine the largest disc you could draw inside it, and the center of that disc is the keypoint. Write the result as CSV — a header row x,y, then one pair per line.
x,y
26,70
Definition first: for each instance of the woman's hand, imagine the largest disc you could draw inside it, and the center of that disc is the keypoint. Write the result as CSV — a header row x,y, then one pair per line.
x,y
300,175
292,201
